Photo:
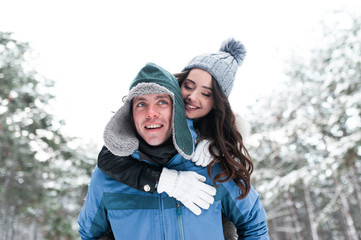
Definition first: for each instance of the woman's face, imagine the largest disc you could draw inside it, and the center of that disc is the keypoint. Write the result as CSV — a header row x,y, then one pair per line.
x,y
197,93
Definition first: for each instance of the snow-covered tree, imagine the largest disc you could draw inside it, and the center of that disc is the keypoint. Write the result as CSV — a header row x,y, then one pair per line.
x,y
40,185
306,142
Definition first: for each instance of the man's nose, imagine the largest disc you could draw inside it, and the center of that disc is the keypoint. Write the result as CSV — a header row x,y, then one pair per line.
x,y
152,112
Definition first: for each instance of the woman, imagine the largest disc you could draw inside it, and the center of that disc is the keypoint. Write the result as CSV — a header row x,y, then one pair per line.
x,y
206,83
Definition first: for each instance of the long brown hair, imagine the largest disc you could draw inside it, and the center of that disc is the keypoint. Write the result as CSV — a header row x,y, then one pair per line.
x,y
219,126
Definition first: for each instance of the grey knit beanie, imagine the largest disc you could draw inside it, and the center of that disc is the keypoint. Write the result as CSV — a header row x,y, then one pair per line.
x,y
222,65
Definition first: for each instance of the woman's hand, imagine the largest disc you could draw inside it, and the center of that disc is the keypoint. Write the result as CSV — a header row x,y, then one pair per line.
x,y
202,156
187,187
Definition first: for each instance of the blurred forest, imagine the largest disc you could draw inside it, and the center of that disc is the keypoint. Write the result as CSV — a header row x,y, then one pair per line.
x,y
305,143
43,174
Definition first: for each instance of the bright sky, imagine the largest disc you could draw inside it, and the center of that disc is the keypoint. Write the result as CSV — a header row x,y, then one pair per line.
x,y
93,49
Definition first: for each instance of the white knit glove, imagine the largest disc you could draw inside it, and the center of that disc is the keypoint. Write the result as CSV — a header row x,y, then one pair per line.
x,y
187,187
202,156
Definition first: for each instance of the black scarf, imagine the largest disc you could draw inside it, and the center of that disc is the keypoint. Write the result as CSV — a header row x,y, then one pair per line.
x,y
158,154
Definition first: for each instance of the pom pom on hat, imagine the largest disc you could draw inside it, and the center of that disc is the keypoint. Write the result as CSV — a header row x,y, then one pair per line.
x,y
222,65
235,48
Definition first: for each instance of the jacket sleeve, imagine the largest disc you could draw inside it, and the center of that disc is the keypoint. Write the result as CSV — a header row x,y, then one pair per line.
x,y
132,172
93,221
248,214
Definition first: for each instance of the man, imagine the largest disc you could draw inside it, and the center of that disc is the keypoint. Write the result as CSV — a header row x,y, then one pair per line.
x,y
152,120
151,126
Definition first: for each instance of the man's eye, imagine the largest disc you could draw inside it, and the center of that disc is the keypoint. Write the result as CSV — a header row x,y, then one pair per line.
x,y
141,104
163,102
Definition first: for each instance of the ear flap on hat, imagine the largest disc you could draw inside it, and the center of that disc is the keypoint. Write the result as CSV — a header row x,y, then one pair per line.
x,y
119,134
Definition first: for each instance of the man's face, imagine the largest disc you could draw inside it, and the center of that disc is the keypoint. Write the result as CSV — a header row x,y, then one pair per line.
x,y
152,114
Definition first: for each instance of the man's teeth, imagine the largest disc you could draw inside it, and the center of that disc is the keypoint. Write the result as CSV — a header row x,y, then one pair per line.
x,y
153,126
190,106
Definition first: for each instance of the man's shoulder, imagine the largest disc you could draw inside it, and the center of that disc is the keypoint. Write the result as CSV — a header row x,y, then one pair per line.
x,y
97,177
97,173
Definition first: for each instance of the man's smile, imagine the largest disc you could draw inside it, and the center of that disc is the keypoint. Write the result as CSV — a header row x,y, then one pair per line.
x,y
153,126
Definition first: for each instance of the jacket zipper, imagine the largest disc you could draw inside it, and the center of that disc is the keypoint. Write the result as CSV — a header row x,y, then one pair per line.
x,y
161,216
180,222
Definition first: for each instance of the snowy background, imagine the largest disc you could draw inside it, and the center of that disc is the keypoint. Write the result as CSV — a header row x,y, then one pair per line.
x,y
93,49
299,88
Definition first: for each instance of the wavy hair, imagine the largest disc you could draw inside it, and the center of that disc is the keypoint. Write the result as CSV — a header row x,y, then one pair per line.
x,y
219,126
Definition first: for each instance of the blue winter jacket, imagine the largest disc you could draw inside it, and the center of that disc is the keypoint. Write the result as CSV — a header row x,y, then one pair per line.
x,y
138,215
133,214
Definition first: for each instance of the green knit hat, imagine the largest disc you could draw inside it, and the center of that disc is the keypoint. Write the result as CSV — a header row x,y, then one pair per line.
x,y
119,134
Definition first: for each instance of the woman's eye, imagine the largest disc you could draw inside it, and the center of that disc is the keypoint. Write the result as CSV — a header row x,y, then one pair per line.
x,y
207,94
188,85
